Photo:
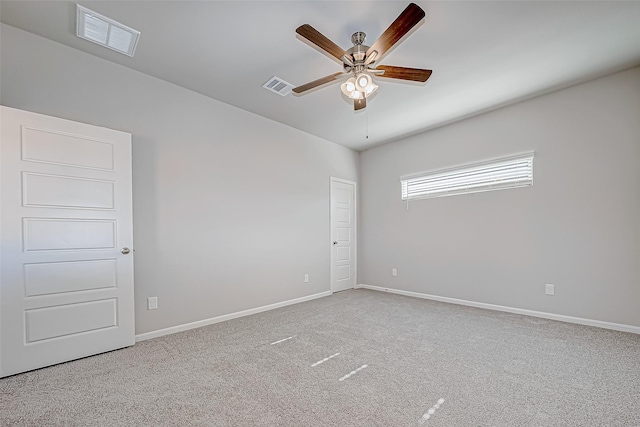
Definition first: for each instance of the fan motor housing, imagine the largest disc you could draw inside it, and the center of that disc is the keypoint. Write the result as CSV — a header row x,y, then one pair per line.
x,y
358,52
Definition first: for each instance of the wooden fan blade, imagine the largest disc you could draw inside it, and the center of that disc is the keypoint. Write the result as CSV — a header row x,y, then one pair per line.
x,y
403,73
315,37
359,104
408,19
316,83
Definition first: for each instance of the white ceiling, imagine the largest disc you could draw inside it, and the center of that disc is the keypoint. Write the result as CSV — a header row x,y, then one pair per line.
x,y
483,54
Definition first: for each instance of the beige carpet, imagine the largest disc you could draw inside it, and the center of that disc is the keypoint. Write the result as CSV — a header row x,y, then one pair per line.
x,y
357,358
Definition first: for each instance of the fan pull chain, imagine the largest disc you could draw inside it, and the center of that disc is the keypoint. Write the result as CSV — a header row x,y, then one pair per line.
x,y
366,121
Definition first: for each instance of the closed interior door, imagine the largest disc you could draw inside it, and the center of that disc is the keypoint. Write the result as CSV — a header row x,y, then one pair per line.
x,y
66,266
343,235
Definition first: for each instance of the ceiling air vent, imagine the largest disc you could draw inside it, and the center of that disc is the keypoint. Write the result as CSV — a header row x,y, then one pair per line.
x,y
106,32
279,86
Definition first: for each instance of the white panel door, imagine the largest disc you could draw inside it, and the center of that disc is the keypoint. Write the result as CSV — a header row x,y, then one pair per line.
x,y
66,270
343,235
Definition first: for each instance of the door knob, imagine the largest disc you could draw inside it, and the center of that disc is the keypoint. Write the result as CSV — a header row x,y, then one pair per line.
x,y
335,242
125,251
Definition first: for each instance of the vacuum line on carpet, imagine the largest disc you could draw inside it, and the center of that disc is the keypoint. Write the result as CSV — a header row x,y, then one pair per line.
x,y
431,411
353,372
324,360
277,342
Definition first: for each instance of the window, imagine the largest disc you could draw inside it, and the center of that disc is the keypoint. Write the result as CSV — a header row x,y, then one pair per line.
x,y
499,174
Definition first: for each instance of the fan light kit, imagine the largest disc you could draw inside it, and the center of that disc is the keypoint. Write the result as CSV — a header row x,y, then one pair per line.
x,y
360,62
360,88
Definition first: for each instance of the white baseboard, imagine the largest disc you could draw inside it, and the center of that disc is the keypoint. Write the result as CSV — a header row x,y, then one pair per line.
x,y
551,316
218,319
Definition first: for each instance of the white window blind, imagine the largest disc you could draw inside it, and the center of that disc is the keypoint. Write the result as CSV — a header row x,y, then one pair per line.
x,y
508,172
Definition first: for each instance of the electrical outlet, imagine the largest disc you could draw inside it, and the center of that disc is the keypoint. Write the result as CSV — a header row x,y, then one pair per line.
x,y
550,289
306,278
394,272
152,303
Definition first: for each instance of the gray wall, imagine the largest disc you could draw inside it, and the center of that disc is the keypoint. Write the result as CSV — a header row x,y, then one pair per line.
x,y
230,209
578,227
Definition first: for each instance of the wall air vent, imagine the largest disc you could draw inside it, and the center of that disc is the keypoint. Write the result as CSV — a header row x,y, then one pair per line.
x,y
106,32
279,86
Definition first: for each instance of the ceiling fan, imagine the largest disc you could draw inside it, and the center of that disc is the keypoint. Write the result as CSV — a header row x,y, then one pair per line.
x,y
361,61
